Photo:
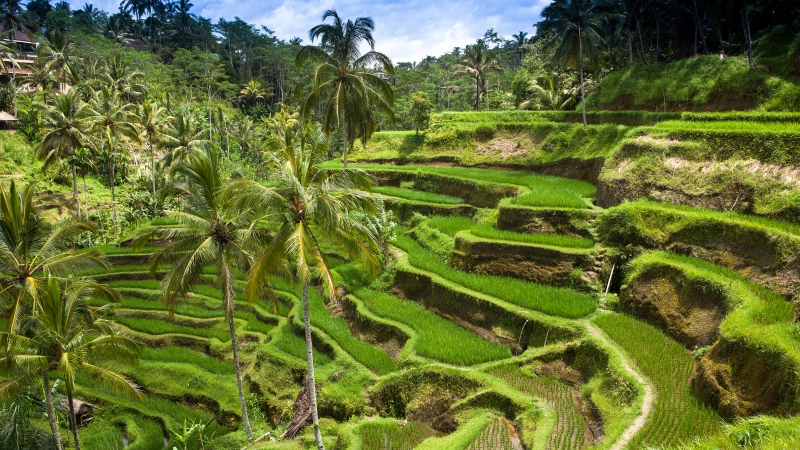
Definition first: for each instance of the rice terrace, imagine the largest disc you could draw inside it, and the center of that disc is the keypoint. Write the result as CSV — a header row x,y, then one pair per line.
x,y
216,235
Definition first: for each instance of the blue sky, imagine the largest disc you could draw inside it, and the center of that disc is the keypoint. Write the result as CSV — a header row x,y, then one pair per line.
x,y
405,30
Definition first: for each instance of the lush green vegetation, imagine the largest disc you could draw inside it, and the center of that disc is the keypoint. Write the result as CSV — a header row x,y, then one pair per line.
x,y
555,240
419,196
677,415
549,300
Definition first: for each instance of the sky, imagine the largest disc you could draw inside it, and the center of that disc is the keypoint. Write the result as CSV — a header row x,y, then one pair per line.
x,y
405,30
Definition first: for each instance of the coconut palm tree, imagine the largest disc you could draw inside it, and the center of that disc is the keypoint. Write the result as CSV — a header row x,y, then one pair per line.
x,y
64,129
207,234
254,91
477,63
306,204
183,137
56,52
550,91
577,35
114,120
66,335
128,83
30,248
154,121
349,89
518,45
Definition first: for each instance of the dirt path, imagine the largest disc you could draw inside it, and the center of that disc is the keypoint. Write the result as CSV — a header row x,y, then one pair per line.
x,y
649,395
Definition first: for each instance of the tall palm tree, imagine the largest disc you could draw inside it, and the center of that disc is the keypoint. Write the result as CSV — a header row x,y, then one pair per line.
x,y
154,121
128,83
352,91
477,63
30,248
306,204
56,52
64,129
577,35
254,91
208,234
551,91
65,334
114,120
518,44
183,136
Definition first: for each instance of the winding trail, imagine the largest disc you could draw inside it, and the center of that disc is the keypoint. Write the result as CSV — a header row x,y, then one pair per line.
x,y
649,395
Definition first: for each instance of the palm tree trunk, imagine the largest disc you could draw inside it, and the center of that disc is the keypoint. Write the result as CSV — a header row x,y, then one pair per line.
x,y
152,163
580,71
312,386
344,140
477,93
51,412
699,29
72,422
748,39
113,198
75,190
245,418
86,207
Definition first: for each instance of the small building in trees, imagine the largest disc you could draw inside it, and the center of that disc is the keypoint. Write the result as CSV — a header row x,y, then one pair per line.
x,y
7,122
25,46
84,411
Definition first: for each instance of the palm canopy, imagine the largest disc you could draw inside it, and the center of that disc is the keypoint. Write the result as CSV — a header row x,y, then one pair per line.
x,y
354,94
64,127
478,61
183,137
206,233
32,249
112,118
128,83
576,30
304,203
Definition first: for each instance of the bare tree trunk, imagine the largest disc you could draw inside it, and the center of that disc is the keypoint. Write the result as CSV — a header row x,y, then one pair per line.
x,y
86,207
113,198
72,421
51,413
312,387
242,402
699,29
641,44
747,37
580,71
477,93
344,140
630,46
75,190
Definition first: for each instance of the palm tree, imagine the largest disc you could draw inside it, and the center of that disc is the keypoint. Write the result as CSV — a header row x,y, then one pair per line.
x,y
352,91
306,204
113,120
56,54
65,334
128,83
31,248
551,91
254,91
154,122
518,44
63,131
577,34
183,137
115,30
208,233
477,63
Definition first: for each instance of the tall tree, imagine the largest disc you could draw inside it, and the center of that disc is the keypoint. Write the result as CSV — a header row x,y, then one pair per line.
x,y
64,129
305,205
65,334
119,75
351,91
577,35
518,45
208,233
183,136
154,122
56,52
114,120
477,63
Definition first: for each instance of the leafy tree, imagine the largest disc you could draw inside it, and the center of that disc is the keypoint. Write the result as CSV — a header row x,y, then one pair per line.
x,y
70,337
307,204
17,432
64,129
183,137
577,35
353,93
477,63
208,233
420,110
154,122
57,55
120,76
550,91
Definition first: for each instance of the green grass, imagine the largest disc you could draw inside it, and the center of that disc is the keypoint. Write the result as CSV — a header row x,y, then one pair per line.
x,y
450,225
143,433
338,329
380,434
677,415
730,126
437,338
293,345
546,299
187,356
157,326
555,240
553,197
418,196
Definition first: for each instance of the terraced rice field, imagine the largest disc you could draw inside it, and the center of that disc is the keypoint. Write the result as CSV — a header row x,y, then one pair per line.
x,y
497,435
677,416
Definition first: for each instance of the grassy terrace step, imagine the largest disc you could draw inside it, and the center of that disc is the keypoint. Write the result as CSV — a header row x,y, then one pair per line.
x,y
543,264
380,434
431,336
531,220
677,415
757,346
570,431
761,249
420,196
548,300
550,240
404,209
